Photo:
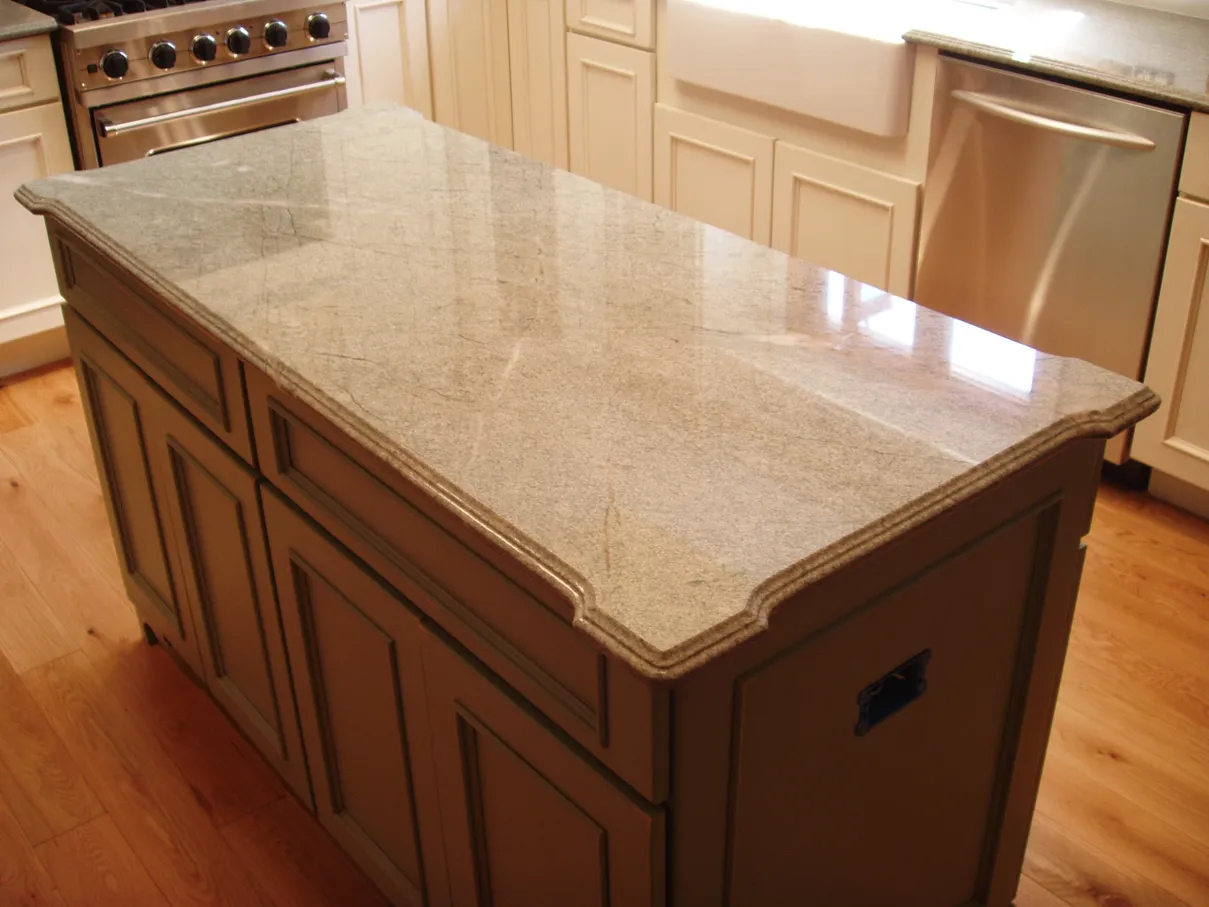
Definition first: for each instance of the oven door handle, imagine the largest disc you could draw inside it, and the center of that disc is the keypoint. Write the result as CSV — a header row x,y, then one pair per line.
x,y
107,128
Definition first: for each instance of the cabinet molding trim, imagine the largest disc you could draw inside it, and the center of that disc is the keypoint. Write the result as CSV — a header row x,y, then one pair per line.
x,y
800,180
678,139
11,96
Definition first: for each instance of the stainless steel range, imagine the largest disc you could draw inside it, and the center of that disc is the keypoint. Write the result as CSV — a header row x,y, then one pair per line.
x,y
142,77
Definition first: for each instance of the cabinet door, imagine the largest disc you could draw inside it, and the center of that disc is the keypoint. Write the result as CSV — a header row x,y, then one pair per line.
x,y
470,77
628,21
609,110
1176,438
388,53
527,820
355,651
845,217
715,172
214,508
538,61
125,422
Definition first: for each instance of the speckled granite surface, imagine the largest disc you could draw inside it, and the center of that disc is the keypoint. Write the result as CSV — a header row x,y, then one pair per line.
x,y
17,21
680,428
1146,52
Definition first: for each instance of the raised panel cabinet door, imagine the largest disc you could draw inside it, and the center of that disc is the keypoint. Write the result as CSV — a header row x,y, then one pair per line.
x,y
1175,440
214,507
355,652
845,217
537,53
627,21
471,89
715,172
125,422
527,820
610,106
388,53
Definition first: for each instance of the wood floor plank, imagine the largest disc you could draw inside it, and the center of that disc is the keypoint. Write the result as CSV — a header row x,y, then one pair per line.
x,y
1033,894
53,796
23,880
11,414
30,631
296,861
94,866
142,790
51,392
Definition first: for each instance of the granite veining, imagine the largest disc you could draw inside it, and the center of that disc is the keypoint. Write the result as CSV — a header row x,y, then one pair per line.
x,y
1151,53
17,21
676,426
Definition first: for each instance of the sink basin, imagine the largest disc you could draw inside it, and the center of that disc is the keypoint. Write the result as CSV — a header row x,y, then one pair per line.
x,y
843,62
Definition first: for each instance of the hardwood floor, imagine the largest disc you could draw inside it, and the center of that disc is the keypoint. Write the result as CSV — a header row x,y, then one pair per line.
x,y
122,784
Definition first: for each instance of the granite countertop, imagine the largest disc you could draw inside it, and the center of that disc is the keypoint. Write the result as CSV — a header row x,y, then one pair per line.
x,y
1150,53
17,21
678,427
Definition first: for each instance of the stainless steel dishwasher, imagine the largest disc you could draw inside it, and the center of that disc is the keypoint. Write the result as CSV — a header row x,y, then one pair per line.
x,y
1045,213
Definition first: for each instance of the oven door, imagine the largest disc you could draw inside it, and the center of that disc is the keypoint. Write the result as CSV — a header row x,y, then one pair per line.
x,y
135,129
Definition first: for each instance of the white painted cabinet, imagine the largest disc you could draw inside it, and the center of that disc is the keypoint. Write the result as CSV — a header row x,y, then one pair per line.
x,y
845,217
537,53
1175,440
627,21
610,109
388,53
715,172
471,89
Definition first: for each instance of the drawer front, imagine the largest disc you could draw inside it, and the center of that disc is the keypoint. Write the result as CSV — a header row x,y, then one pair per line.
x,y
197,371
477,593
27,73
625,21
1194,177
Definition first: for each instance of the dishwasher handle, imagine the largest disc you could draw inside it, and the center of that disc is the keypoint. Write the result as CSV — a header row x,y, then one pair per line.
x,y
998,107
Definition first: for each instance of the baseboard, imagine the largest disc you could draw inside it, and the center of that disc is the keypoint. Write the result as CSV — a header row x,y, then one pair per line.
x,y
1180,493
31,335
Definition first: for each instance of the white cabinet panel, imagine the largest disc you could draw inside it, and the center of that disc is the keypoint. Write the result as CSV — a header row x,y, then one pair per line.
x,y
610,108
628,21
848,218
388,53
470,72
538,63
715,172
1176,438
27,72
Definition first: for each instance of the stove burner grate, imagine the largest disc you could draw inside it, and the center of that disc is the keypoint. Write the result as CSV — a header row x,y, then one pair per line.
x,y
72,12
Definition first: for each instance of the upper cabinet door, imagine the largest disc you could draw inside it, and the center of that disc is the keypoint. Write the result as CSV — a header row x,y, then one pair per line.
x,y
471,89
355,653
527,821
610,106
845,217
628,21
1176,438
388,53
538,62
715,172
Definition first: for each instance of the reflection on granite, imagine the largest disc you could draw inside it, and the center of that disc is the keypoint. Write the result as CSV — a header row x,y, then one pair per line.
x,y
1146,52
17,21
678,426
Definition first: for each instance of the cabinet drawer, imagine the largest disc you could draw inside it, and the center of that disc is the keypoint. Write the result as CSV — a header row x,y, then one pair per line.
x,y
1194,177
506,615
196,370
626,21
27,73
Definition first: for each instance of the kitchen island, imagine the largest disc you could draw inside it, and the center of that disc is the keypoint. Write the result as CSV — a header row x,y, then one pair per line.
x,y
558,549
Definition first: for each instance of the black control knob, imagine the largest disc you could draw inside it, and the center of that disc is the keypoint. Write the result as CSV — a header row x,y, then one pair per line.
x,y
115,64
239,41
276,34
318,26
204,48
163,55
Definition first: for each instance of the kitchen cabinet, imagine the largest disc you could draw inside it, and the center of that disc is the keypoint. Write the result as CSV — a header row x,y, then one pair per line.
x,y
845,217
625,21
610,109
537,55
187,523
715,172
355,650
523,813
33,144
1176,439
388,53
471,89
